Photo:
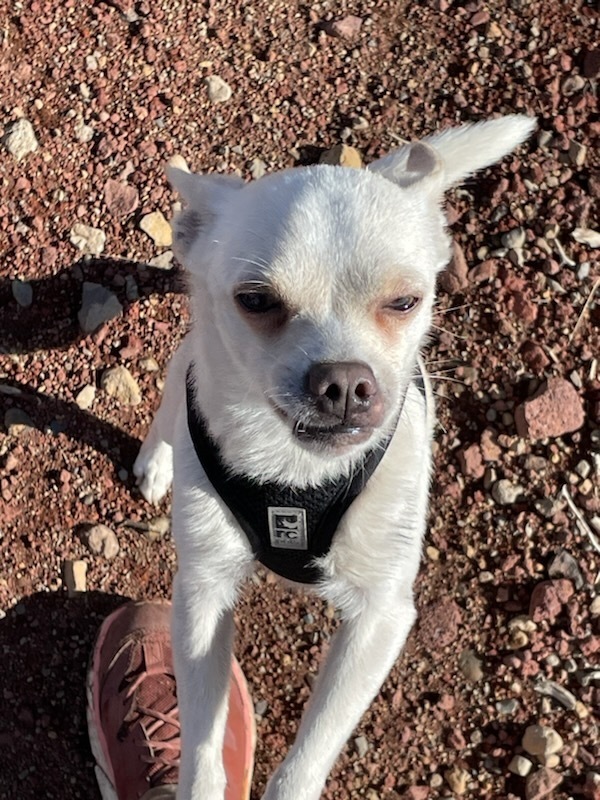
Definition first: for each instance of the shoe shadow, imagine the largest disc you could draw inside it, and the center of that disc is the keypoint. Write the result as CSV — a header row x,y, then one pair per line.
x,y
45,643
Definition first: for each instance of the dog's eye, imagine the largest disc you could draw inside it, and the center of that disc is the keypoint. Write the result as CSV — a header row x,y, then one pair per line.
x,y
404,304
258,302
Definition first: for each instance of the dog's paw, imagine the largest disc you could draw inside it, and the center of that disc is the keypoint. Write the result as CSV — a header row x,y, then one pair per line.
x,y
153,469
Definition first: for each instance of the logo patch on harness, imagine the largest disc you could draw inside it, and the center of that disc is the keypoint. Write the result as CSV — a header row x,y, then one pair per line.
x,y
287,528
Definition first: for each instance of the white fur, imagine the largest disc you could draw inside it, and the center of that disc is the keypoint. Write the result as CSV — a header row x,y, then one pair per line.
x,y
335,244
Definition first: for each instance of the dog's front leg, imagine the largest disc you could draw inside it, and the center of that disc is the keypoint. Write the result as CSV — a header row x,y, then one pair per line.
x,y
202,630
362,653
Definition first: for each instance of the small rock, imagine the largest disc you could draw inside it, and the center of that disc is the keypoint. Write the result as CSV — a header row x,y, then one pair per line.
x,y
484,272
587,236
541,783
163,260
471,666
74,576
16,421
490,449
260,708
84,133
457,779
534,356
471,461
361,745
455,277
257,168
554,410
22,292
506,493
577,153
563,565
121,199
157,228
439,623
515,239
416,793
98,305
547,600
520,765
149,364
119,383
342,155
85,397
20,139
508,706
218,90
101,540
541,741
557,692
158,527
595,607
87,239
345,28
179,162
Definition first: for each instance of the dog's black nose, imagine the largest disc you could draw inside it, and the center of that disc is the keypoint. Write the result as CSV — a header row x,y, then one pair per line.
x,y
344,390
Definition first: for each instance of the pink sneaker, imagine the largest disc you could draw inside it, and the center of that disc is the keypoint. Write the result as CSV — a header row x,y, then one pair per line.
x,y
133,718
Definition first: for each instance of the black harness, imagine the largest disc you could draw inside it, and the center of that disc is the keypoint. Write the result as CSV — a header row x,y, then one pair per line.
x,y
287,528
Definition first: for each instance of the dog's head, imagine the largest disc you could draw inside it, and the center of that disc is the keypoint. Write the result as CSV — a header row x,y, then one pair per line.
x,y
313,290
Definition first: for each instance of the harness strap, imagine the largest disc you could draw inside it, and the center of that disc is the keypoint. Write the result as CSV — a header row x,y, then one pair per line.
x,y
287,527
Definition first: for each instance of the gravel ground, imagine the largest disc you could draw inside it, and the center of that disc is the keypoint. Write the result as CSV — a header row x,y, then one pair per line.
x,y
94,97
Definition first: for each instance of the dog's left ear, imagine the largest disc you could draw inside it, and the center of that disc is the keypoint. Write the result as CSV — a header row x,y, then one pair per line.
x,y
205,196
442,160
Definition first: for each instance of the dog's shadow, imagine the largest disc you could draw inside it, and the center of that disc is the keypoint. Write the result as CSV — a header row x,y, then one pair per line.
x,y
46,641
50,322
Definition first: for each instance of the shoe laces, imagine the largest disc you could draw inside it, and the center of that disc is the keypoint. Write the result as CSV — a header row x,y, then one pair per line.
x,y
157,715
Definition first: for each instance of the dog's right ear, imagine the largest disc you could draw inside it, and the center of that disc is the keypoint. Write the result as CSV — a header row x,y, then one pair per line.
x,y
205,197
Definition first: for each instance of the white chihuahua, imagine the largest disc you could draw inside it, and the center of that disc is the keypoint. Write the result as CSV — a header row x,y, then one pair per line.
x,y
297,422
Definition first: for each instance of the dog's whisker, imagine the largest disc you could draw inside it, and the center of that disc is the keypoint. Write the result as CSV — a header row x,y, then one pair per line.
x,y
450,333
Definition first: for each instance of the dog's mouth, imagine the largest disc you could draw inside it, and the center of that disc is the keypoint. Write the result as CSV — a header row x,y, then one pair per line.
x,y
339,436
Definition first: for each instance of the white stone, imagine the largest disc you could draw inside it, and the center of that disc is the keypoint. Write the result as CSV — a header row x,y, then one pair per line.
x,y
119,383
20,139
101,540
85,398
87,239
218,90
157,228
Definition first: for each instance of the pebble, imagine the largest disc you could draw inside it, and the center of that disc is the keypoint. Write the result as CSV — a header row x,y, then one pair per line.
x,y
218,90
541,741
520,765
258,168
101,540
471,666
577,153
361,745
163,260
84,133
22,292
457,779
74,576
563,565
547,599
85,397
515,239
260,708
20,139
455,277
342,155
554,410
470,460
121,199
345,28
587,236
506,493
87,239
98,305
595,607
119,383
508,706
157,228
149,364
541,783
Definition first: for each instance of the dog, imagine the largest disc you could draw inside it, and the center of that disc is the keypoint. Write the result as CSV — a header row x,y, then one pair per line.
x,y
297,422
